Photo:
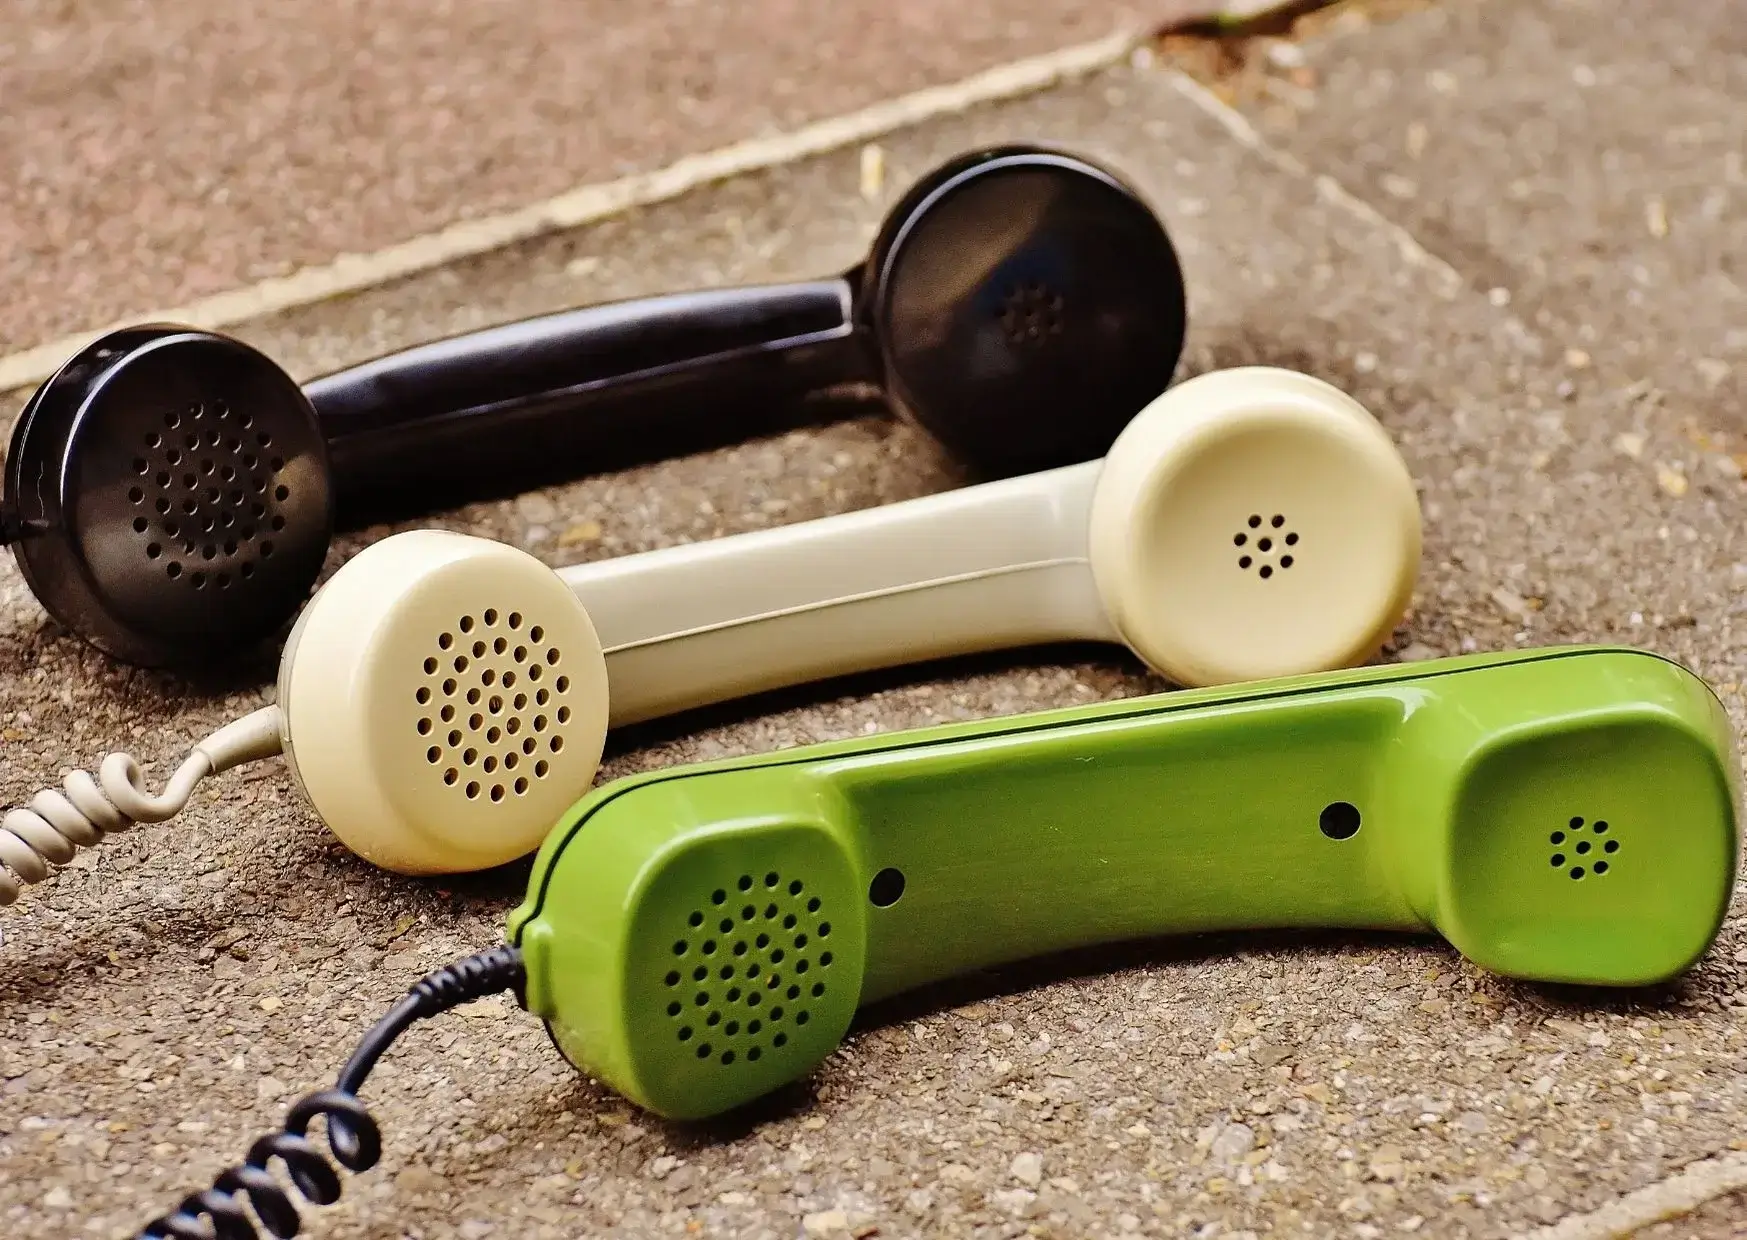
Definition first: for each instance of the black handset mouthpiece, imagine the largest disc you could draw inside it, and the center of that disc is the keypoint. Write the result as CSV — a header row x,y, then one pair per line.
x,y
175,485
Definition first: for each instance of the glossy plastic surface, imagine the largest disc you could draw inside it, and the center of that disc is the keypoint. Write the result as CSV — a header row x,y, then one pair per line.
x,y
1021,303
1267,527
441,700
1562,815
987,567
548,399
1027,303
175,488
1248,523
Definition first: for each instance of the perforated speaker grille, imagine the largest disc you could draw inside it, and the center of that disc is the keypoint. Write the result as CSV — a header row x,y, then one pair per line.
x,y
1584,849
207,494
750,962
1266,545
494,706
1032,314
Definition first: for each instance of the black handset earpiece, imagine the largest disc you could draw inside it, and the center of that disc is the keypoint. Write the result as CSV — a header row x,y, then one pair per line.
x,y
1026,305
1021,304
170,493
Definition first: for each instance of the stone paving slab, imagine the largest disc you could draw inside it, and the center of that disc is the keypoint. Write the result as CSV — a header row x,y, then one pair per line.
x,y
167,998
156,152
1582,156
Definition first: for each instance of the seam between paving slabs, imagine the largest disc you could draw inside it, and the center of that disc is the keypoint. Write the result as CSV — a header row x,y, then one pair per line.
x,y
1698,1182
1677,1195
590,203
1674,1195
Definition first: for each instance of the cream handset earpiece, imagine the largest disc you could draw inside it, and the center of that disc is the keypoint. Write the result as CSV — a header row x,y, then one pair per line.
x,y
443,698
1248,523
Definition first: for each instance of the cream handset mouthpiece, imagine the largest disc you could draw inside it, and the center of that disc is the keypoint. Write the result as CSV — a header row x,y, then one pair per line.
x,y
443,698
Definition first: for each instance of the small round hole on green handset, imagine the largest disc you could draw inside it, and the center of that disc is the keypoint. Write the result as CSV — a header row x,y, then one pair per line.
x,y
887,887
1339,820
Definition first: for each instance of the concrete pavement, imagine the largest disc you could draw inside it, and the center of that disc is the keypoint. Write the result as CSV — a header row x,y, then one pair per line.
x,y
1558,369
157,152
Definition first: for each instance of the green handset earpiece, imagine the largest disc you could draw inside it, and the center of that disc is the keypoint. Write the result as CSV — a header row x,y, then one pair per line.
x,y
699,936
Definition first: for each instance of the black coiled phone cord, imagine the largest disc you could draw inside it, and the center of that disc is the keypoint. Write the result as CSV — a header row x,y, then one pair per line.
x,y
355,1141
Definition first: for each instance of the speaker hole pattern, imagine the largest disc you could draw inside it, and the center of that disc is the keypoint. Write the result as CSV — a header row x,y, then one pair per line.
x,y
1266,545
754,956
494,705
1031,314
209,495
1584,849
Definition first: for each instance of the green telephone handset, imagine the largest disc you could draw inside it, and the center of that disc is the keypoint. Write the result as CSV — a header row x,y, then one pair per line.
x,y
701,935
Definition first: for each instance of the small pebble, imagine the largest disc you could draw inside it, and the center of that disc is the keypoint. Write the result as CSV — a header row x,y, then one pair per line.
x,y
1233,1142
537,508
1284,55
270,1088
825,1223
1656,218
873,170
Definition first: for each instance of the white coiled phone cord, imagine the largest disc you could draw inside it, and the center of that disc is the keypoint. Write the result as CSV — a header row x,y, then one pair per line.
x,y
57,822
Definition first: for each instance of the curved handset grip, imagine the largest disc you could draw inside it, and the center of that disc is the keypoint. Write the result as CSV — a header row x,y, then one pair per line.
x,y
988,567
498,410
1563,815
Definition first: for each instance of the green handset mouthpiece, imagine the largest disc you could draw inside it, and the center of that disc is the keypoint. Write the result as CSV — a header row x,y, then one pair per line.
x,y
699,936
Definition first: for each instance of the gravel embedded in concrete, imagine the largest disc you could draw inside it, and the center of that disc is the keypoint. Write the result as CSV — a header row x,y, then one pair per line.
x,y
165,999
